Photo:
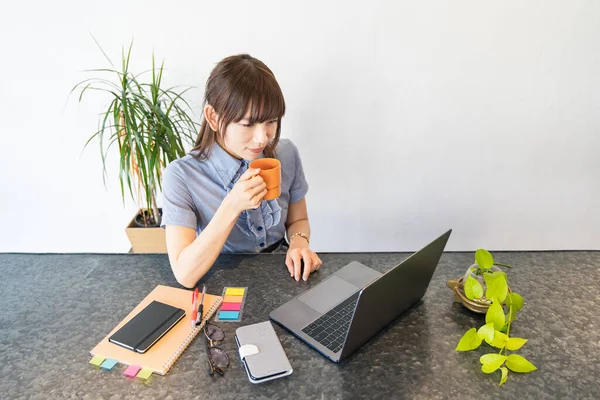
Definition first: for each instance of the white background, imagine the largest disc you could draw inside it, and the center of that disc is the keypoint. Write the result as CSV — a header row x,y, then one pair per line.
x,y
411,117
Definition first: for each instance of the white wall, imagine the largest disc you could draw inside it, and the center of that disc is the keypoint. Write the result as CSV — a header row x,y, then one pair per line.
x,y
411,117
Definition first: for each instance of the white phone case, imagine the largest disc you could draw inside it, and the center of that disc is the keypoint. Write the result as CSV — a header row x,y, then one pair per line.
x,y
261,352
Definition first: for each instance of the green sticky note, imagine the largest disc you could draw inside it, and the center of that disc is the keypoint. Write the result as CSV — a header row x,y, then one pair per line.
x,y
97,360
145,373
234,291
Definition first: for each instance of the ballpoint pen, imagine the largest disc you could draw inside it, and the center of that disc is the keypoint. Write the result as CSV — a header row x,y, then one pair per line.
x,y
193,313
200,307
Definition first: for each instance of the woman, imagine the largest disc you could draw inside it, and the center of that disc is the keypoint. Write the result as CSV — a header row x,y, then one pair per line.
x,y
213,201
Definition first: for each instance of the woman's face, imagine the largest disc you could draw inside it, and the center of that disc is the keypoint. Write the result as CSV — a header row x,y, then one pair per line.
x,y
246,141
241,139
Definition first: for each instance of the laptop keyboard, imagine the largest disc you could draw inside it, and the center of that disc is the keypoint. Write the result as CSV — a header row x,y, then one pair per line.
x,y
331,328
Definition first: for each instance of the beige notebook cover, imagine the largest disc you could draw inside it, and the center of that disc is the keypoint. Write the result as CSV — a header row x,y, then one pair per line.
x,y
167,350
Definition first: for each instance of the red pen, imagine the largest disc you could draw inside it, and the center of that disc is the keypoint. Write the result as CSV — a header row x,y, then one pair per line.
x,y
193,314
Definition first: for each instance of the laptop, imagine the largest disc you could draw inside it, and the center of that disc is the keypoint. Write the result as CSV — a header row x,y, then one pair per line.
x,y
343,312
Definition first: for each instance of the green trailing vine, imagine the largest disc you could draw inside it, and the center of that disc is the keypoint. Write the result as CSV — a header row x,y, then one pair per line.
x,y
498,319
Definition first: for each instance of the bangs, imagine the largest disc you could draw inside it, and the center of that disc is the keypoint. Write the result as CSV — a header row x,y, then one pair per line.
x,y
256,92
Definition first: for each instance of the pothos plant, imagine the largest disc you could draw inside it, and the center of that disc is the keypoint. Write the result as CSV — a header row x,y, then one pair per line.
x,y
501,314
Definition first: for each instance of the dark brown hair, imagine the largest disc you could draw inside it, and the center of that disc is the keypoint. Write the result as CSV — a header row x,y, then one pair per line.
x,y
236,84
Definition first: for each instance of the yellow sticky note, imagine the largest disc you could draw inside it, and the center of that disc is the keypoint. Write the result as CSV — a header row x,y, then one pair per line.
x,y
234,291
97,360
145,373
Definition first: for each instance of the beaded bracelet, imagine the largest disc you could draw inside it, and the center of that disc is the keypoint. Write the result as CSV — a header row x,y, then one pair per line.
x,y
301,235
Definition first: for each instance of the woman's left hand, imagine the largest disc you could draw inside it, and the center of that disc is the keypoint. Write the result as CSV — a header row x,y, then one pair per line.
x,y
298,255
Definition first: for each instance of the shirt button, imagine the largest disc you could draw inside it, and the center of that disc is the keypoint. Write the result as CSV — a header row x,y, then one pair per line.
x,y
259,228
262,244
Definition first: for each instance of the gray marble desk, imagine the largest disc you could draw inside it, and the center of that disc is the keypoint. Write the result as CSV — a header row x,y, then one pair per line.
x,y
55,308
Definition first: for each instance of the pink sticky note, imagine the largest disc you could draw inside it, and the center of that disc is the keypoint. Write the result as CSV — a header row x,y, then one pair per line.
x,y
231,306
131,371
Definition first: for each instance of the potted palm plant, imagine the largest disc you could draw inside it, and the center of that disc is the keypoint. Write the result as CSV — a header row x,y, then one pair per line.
x,y
151,126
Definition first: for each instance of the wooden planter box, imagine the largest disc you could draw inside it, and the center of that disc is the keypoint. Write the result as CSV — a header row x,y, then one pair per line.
x,y
146,240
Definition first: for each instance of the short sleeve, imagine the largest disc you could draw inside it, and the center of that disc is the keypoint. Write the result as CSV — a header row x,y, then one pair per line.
x,y
299,186
178,206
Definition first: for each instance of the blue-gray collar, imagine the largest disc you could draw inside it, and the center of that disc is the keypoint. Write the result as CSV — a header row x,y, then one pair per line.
x,y
228,167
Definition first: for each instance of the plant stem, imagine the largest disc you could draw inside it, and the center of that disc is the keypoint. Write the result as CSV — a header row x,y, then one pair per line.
x,y
502,265
509,319
155,207
507,328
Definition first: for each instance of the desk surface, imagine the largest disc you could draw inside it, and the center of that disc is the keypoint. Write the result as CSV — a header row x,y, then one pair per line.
x,y
55,308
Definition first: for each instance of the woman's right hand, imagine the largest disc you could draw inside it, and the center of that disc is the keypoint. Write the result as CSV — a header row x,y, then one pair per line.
x,y
248,191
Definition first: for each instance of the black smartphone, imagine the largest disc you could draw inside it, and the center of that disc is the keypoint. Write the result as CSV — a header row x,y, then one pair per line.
x,y
147,327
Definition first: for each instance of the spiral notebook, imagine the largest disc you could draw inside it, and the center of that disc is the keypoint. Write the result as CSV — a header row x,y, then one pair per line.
x,y
167,350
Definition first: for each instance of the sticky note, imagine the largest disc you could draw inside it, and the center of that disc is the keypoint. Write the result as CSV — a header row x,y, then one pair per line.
x,y
233,299
131,371
145,373
231,306
108,364
97,360
234,291
229,315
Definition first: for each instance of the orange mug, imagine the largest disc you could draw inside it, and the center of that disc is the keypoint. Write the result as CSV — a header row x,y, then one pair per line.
x,y
270,171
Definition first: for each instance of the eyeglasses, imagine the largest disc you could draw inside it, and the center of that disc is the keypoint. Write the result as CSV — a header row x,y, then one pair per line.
x,y
217,358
